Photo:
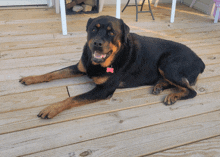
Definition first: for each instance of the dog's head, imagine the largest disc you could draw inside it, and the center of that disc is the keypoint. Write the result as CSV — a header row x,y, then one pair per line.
x,y
105,37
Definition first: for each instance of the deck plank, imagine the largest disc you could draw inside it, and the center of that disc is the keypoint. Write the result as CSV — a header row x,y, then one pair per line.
x,y
145,140
39,43
41,60
17,73
12,87
75,47
16,102
209,147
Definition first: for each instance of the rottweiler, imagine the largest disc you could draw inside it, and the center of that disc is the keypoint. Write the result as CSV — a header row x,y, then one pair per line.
x,y
115,58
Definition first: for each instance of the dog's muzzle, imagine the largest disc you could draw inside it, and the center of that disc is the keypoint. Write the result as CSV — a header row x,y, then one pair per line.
x,y
99,57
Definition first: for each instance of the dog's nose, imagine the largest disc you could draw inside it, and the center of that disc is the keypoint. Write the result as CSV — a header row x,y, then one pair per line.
x,y
98,43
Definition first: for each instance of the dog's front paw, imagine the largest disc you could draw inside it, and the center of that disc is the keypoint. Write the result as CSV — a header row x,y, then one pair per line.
x,y
28,80
50,111
157,90
34,79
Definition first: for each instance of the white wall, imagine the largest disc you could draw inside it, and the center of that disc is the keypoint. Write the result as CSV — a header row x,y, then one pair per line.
x,y
123,2
202,5
22,2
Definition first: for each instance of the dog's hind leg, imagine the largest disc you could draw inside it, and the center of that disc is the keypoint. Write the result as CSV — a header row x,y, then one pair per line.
x,y
185,90
160,86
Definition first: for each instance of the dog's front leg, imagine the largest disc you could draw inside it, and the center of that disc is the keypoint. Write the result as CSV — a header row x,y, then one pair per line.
x,y
71,71
100,92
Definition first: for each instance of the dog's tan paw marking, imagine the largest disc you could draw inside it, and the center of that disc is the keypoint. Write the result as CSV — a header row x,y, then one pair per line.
x,y
49,112
28,80
171,99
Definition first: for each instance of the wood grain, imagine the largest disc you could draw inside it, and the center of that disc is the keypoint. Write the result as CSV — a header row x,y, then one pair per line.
x,y
75,47
32,99
209,147
41,60
100,125
146,140
11,87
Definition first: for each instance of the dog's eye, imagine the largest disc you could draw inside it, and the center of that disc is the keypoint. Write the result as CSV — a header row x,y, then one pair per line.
x,y
94,29
111,33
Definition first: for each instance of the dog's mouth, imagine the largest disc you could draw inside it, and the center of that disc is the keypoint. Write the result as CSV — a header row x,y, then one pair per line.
x,y
100,57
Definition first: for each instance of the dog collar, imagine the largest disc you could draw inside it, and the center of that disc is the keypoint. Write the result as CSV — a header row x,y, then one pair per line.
x,y
110,70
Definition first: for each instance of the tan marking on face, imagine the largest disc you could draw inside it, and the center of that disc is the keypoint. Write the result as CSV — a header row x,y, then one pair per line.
x,y
110,59
89,43
100,80
98,25
109,28
81,67
94,63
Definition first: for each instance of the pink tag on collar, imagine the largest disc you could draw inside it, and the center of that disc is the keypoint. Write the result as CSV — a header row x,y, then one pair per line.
x,y
110,70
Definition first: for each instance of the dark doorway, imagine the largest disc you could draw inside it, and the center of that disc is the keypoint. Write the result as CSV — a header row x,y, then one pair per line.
x,y
82,6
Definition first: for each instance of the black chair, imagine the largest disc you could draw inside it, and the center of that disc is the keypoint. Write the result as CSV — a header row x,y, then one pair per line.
x,y
136,4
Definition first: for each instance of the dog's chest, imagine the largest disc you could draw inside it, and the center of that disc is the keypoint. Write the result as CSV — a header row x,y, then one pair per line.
x,y
95,71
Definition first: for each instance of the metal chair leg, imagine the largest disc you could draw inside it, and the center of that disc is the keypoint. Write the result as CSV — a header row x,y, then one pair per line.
x,y
150,9
142,5
136,4
125,5
136,10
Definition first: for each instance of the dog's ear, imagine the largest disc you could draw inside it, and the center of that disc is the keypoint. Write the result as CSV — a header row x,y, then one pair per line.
x,y
125,31
88,23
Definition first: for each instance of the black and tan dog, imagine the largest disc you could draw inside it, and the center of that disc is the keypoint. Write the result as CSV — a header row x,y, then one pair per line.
x,y
115,58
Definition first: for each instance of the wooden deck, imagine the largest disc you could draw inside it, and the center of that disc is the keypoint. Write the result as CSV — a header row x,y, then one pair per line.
x,y
133,122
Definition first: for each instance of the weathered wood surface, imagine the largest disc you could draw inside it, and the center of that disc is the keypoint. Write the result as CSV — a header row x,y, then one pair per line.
x,y
145,140
133,122
119,101
209,147
106,124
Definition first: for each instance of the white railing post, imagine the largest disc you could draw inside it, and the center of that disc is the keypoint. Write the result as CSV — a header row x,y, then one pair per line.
x,y
49,3
118,8
216,15
63,17
173,11
193,2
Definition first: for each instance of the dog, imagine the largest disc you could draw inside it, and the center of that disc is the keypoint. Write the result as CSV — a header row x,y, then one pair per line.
x,y
115,58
